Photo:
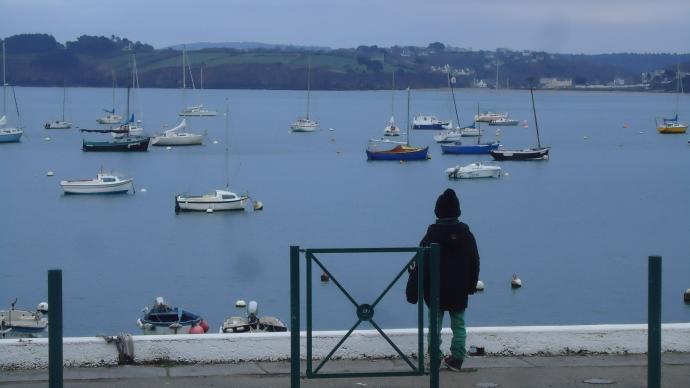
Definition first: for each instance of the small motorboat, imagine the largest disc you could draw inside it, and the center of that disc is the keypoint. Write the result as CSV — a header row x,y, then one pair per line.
x,y
57,124
22,323
504,121
103,184
488,117
474,170
429,122
251,323
163,319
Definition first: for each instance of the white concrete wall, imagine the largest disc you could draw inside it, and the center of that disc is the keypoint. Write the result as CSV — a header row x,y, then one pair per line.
x,y
217,348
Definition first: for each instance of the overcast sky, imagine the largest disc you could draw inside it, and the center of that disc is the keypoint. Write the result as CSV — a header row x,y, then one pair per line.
x,y
566,26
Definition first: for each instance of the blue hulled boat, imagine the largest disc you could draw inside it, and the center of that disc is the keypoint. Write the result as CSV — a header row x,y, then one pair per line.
x,y
163,319
459,148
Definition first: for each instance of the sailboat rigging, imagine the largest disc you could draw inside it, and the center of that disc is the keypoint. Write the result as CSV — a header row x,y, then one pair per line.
x,y
392,129
193,110
534,153
306,124
672,125
8,134
60,124
110,117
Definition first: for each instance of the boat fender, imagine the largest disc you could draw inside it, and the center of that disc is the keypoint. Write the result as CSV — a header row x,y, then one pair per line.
x,y
515,282
209,210
204,325
196,329
480,285
139,323
686,296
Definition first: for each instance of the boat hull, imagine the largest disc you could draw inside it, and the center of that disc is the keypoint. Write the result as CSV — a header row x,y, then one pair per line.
x,y
130,144
400,153
507,123
472,149
529,154
10,135
672,128
190,139
192,204
473,174
58,125
431,126
97,188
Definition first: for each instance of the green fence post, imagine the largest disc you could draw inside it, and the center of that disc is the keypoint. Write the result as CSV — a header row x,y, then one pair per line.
x,y
294,317
433,320
654,323
55,329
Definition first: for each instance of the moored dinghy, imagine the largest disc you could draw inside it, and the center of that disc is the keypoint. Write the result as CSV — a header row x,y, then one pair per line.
x,y
474,170
104,183
252,322
163,319
22,323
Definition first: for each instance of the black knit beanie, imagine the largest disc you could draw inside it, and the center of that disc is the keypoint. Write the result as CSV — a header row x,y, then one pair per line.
x,y
447,205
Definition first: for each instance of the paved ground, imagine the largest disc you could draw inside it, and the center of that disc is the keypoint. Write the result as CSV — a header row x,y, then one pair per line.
x,y
528,372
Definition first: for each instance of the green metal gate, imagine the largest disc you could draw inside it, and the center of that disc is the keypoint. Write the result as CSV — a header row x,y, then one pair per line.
x,y
364,312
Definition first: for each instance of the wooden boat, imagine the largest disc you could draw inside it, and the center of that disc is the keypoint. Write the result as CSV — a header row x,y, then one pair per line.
x,y
534,153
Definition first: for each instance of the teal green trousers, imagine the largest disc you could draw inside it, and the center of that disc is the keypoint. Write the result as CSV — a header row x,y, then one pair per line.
x,y
457,326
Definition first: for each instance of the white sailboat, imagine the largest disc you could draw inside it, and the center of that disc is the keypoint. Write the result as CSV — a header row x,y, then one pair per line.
x,y
392,129
132,127
110,117
175,137
7,134
218,200
193,110
60,124
305,124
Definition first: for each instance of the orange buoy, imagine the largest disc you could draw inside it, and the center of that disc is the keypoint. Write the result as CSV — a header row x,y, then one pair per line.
x,y
625,125
196,329
204,325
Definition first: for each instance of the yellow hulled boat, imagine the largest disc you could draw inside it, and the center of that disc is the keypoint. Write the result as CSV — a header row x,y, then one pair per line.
x,y
671,126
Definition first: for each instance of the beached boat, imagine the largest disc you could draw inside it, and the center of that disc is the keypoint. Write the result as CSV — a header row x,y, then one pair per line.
x,y
104,183
488,117
163,319
385,149
305,124
60,124
429,122
534,153
504,121
7,134
252,323
474,170
22,323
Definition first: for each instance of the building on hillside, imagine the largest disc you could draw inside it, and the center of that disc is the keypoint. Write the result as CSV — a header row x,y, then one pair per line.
x,y
555,83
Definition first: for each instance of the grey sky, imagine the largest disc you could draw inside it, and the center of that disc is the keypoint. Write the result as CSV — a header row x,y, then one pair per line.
x,y
570,26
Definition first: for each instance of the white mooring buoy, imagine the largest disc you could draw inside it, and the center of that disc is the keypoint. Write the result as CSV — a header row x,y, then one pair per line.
x,y
209,210
143,190
168,148
515,282
480,285
50,173
240,304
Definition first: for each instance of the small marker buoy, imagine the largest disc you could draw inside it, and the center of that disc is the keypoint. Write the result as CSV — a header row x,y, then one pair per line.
x,y
325,277
337,152
515,282
47,138
168,148
50,173
209,210
641,132
480,285
625,125
331,129
258,205
506,174
215,142
240,304
143,190
585,137
686,296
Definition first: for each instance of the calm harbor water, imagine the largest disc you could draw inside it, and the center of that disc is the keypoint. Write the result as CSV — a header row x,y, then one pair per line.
x,y
577,228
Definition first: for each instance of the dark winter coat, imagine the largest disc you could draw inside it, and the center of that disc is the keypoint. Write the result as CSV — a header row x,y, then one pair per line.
x,y
459,270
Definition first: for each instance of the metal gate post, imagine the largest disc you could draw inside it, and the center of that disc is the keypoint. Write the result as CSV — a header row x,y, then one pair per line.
x,y
294,317
434,298
654,323
55,329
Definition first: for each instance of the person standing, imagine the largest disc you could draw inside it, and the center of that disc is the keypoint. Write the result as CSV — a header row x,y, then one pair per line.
x,y
459,271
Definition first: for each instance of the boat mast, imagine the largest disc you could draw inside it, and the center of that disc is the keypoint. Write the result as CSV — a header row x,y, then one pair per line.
x,y
393,96
128,87
184,78
308,84
452,92
4,83
407,135
534,111
227,145
112,72
64,96
678,86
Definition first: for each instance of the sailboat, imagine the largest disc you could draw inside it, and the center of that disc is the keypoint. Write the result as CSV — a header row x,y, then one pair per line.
x,y
218,200
534,153
305,124
672,125
392,129
457,147
193,110
110,117
7,134
453,135
60,124
126,137
384,149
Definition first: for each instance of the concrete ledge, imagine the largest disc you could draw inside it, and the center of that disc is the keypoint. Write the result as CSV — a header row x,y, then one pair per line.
x,y
362,344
